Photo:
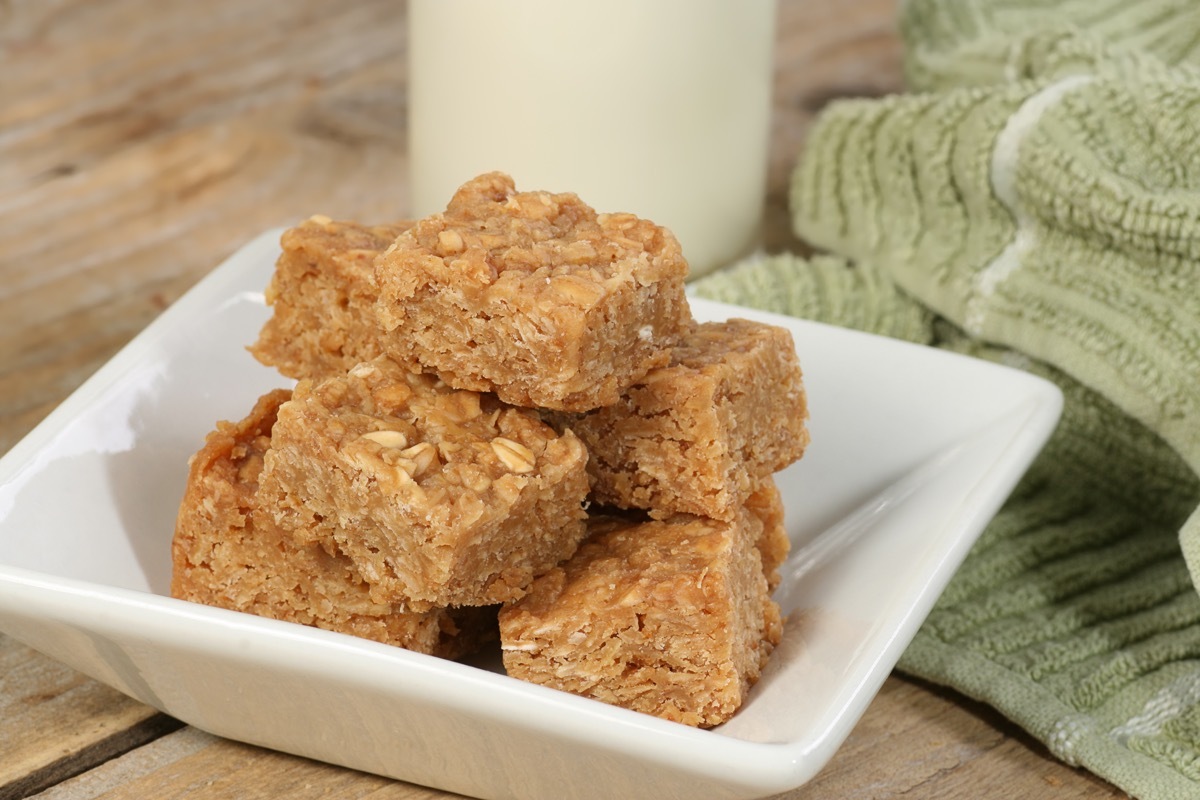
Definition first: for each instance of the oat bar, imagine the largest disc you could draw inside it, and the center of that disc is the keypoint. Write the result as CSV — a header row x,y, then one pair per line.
x,y
322,295
227,553
773,544
668,617
533,295
697,435
441,497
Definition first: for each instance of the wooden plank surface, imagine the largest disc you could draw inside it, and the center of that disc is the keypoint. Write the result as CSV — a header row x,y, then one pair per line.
x,y
140,144
56,723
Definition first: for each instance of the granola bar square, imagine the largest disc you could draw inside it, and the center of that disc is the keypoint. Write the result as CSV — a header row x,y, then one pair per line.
x,y
774,544
533,296
667,617
698,435
227,553
322,295
440,497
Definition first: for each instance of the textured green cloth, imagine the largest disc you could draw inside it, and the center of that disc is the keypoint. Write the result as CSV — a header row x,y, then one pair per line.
x,y
1035,200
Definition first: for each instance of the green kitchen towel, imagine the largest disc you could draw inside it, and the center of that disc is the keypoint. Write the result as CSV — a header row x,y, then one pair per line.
x,y
1035,200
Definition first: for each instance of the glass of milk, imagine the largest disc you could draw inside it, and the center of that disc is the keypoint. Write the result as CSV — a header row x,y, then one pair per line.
x,y
656,107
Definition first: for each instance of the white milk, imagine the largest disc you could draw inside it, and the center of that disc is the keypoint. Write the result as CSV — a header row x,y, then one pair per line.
x,y
658,107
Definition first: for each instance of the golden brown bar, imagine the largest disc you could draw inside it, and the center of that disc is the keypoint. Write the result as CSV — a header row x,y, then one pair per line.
x,y
322,295
533,295
698,435
667,617
228,553
774,544
441,497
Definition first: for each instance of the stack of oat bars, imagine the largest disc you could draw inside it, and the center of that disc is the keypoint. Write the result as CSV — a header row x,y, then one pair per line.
x,y
506,412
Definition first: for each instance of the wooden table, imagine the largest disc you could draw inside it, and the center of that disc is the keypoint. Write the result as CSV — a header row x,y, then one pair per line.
x,y
140,144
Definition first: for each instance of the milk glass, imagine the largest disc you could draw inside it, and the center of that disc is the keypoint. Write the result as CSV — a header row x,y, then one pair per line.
x,y
656,107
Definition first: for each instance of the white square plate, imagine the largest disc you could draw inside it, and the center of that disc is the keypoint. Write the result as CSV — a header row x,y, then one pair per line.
x,y
913,451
